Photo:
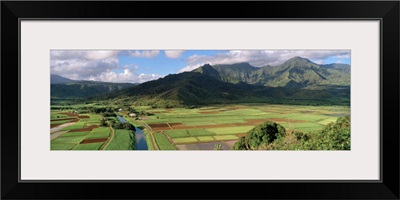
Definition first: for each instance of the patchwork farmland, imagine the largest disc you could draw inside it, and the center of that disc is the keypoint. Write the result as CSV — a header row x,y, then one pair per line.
x,y
81,133
203,128
182,128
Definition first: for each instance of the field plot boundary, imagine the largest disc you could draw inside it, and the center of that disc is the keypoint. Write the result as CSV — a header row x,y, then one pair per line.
x,y
105,144
68,137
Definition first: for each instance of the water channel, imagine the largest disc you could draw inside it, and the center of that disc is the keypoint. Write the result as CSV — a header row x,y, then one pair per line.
x,y
141,143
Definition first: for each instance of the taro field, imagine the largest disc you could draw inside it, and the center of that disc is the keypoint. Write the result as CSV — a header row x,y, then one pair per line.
x,y
70,131
203,128
184,129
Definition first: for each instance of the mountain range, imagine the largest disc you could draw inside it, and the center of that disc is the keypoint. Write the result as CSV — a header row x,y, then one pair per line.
x,y
62,87
297,72
298,80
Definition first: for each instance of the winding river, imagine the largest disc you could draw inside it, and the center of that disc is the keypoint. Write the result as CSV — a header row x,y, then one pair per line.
x,y
141,143
140,138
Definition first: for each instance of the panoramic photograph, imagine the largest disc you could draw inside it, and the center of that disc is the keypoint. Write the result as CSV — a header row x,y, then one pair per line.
x,y
229,100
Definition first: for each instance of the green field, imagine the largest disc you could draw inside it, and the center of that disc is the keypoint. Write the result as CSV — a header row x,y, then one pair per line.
x,y
60,121
225,137
163,142
177,133
185,140
84,133
101,132
122,140
200,132
56,115
230,130
148,141
206,138
327,120
76,125
70,139
94,119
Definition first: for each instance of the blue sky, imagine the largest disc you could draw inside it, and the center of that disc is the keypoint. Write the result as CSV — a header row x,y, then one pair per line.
x,y
139,66
161,64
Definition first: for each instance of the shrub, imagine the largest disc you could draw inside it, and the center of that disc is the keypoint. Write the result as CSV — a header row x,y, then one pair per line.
x,y
103,122
109,114
300,135
240,144
262,134
334,136
126,126
218,147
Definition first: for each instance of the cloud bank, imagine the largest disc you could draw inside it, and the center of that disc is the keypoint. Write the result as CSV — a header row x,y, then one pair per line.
x,y
98,66
145,54
173,53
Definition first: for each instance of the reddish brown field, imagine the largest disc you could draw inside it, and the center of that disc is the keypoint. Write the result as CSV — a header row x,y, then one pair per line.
x,y
69,114
74,115
54,120
216,126
54,125
158,125
183,127
234,108
94,140
175,124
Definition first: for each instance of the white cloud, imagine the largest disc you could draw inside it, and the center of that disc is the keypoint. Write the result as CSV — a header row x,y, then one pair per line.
x,y
127,76
81,64
80,69
97,55
83,54
345,55
148,77
173,53
260,58
191,67
145,54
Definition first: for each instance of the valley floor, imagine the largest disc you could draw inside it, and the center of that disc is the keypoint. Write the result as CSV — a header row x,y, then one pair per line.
x,y
187,129
203,128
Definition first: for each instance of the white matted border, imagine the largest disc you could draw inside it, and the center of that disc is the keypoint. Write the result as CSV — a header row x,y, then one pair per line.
x,y
39,163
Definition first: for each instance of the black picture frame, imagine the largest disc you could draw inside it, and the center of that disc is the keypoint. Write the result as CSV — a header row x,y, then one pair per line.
x,y
386,11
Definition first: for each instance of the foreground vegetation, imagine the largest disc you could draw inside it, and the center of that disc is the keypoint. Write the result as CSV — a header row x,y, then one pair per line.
x,y
272,136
